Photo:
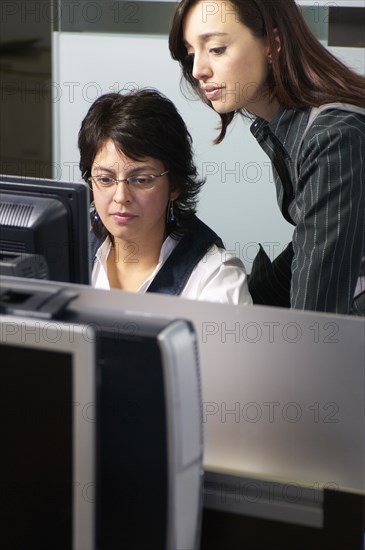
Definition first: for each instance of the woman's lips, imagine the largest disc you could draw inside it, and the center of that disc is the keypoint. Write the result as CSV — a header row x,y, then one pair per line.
x,y
212,92
123,217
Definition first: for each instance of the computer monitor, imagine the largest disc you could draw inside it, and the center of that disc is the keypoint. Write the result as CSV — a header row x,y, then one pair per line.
x,y
44,229
47,389
101,430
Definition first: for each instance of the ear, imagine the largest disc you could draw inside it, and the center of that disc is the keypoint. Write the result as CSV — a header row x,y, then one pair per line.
x,y
277,44
277,41
174,194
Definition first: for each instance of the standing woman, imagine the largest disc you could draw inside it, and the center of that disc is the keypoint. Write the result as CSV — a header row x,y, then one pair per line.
x,y
258,58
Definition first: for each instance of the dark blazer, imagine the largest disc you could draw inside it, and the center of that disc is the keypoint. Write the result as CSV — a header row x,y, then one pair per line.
x,y
320,188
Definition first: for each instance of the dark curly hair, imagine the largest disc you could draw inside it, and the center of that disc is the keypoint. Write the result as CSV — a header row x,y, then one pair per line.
x,y
144,123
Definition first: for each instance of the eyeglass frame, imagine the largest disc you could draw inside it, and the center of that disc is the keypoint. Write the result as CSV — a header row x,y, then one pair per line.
x,y
89,180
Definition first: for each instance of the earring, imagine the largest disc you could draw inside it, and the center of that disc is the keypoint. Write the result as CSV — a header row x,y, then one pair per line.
x,y
269,61
94,216
170,212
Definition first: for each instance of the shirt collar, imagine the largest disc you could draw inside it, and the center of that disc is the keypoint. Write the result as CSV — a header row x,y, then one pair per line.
x,y
283,130
167,247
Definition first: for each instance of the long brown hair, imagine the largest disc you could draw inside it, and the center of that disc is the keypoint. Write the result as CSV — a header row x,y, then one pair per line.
x,y
303,73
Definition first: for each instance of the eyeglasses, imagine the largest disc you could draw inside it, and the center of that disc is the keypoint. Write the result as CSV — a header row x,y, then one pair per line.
x,y
141,181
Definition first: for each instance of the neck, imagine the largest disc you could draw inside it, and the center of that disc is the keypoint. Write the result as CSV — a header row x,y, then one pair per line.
x,y
268,110
137,254
131,263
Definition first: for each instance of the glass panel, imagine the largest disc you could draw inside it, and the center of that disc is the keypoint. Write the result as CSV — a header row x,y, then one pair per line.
x,y
332,24
316,18
346,27
113,16
336,25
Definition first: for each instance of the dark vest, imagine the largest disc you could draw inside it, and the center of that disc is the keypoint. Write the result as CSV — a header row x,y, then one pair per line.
x,y
175,272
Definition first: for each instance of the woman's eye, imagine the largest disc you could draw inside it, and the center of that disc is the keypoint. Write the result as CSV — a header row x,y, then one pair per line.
x,y
140,180
189,58
218,51
105,180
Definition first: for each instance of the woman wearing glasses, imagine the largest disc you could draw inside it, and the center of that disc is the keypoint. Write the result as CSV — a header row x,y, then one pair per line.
x,y
136,154
258,58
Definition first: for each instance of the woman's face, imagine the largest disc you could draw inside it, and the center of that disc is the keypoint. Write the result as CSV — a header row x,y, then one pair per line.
x,y
229,62
129,213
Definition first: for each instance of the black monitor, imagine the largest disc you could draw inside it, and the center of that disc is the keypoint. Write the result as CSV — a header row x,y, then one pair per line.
x,y
101,429
44,229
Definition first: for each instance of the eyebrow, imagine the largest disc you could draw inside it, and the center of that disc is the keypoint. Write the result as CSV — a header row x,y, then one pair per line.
x,y
133,169
207,36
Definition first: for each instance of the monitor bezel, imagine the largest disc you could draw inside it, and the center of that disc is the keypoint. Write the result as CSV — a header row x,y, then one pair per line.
x,y
76,198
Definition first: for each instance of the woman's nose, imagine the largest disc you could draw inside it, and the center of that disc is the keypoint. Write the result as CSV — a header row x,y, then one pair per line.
x,y
201,68
122,193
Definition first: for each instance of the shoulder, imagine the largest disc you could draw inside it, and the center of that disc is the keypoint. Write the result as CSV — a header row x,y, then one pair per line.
x,y
205,233
220,277
222,266
332,132
335,120
217,256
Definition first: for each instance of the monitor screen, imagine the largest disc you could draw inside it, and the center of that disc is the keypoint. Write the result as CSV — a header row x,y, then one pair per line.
x,y
44,229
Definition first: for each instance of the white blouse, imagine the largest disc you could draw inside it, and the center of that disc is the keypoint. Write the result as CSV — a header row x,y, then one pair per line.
x,y
218,277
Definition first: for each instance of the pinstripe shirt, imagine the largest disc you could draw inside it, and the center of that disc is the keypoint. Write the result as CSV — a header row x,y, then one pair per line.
x,y
326,169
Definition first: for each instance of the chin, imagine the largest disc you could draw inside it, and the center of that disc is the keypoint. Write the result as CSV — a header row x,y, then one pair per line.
x,y
223,107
